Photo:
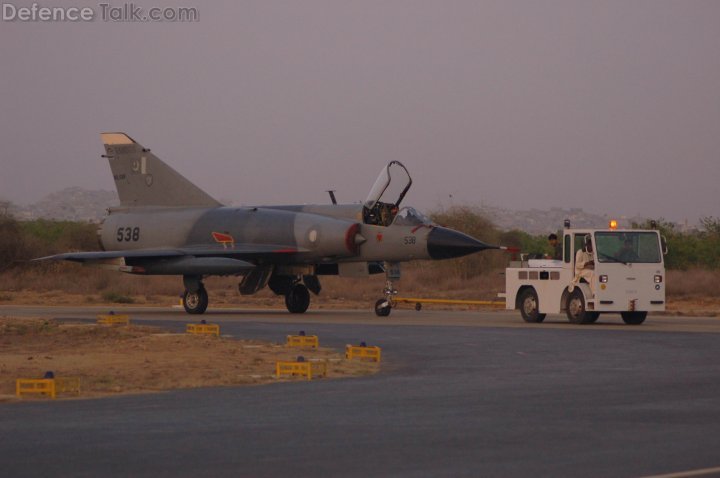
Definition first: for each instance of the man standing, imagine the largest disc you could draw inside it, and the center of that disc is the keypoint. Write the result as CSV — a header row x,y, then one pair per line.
x,y
555,246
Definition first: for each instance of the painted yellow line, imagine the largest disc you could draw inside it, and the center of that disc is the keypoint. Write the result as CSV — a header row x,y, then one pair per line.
x,y
689,473
411,300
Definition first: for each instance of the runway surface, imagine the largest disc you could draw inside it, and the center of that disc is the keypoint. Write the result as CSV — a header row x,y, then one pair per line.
x,y
459,394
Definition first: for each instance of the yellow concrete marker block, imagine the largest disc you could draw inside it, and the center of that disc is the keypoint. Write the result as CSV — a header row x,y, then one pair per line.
x,y
362,351
42,386
113,319
302,369
303,341
67,385
200,329
47,386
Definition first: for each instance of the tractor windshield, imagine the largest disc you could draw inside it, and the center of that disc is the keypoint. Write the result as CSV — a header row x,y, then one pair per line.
x,y
628,246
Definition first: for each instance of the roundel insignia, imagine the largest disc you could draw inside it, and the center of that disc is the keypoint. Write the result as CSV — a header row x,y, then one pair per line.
x,y
379,237
136,166
313,235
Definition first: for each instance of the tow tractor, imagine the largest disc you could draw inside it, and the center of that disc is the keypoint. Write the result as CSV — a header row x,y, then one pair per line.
x,y
628,277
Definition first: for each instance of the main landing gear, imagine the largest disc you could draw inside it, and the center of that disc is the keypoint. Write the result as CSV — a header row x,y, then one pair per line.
x,y
195,298
297,298
296,289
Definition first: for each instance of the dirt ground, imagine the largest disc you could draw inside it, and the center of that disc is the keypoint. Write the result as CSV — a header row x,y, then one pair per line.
x,y
139,359
680,306
693,307
261,300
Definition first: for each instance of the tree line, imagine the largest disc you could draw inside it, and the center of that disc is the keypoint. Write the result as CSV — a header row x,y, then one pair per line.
x,y
21,241
686,249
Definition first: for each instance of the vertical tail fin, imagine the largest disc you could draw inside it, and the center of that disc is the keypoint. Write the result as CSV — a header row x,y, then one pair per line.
x,y
142,179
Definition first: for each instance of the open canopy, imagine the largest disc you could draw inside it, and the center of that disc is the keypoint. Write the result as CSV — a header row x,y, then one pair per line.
x,y
391,185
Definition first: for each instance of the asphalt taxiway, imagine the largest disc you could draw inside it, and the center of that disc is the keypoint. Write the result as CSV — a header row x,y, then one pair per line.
x,y
476,393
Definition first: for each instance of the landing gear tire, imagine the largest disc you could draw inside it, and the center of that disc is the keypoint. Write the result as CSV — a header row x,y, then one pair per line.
x,y
297,299
592,317
529,307
575,307
195,302
633,318
382,308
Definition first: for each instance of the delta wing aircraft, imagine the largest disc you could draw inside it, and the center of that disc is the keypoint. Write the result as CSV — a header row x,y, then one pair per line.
x,y
165,225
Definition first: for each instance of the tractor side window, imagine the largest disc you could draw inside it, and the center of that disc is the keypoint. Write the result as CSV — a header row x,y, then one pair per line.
x,y
566,248
579,242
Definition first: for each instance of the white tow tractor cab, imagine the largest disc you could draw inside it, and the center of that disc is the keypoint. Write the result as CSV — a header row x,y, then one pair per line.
x,y
627,276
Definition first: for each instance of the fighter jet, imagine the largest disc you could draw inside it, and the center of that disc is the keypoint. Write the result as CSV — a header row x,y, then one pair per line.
x,y
165,225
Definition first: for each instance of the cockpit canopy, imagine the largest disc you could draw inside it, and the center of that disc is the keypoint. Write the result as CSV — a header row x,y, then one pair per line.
x,y
391,185
383,202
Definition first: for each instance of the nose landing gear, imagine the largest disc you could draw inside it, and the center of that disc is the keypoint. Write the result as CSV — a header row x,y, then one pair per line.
x,y
384,306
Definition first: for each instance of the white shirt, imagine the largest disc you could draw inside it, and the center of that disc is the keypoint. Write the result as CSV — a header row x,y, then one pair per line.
x,y
581,260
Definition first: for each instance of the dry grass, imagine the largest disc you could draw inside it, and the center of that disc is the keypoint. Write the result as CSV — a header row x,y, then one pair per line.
x,y
693,283
101,286
63,282
75,279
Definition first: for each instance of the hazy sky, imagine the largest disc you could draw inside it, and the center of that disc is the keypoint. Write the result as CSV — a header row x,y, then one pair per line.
x,y
611,106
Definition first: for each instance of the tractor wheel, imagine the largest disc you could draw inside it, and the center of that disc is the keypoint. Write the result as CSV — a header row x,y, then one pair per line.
x,y
633,318
529,306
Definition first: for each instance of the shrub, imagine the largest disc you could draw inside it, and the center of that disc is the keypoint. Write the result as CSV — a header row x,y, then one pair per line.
x,y
111,296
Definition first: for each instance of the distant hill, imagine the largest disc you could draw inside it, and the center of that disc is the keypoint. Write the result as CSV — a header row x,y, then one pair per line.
x,y
78,204
545,221
70,204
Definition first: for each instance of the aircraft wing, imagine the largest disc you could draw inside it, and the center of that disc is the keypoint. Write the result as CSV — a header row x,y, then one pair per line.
x,y
104,255
236,250
194,260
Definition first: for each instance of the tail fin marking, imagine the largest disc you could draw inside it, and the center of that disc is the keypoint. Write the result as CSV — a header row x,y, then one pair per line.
x,y
142,179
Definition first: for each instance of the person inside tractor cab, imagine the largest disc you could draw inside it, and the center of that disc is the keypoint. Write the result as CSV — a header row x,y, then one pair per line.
x,y
585,265
627,252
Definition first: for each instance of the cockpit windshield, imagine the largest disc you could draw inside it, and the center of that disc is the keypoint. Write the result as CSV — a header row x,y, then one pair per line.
x,y
408,216
628,246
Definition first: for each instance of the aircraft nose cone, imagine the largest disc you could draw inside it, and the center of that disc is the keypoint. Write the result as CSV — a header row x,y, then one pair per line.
x,y
443,243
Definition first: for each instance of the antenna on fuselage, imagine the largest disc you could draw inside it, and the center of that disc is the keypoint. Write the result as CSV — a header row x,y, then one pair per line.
x,y
331,192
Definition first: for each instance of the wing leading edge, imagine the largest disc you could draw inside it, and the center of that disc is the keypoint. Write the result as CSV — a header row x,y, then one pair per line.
x,y
196,260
